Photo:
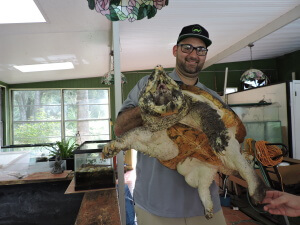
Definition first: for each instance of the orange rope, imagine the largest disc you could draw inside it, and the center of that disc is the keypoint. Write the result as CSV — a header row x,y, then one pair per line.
x,y
265,153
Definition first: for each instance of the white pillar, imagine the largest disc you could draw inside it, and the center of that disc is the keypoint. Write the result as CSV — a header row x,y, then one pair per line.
x,y
118,104
225,85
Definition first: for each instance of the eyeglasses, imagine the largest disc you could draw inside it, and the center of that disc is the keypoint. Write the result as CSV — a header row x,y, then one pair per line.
x,y
188,48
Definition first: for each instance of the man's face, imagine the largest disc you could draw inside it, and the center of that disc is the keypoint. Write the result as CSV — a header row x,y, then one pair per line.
x,y
189,64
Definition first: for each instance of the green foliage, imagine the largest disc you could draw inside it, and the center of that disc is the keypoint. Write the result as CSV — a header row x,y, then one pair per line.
x,y
64,148
37,132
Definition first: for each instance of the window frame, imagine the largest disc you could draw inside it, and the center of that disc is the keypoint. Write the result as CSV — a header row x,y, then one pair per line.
x,y
62,120
3,115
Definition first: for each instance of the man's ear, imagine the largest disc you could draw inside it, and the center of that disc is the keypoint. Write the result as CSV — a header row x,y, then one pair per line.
x,y
175,49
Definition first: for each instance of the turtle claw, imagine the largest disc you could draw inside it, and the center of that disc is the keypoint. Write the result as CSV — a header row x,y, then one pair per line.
x,y
209,214
109,150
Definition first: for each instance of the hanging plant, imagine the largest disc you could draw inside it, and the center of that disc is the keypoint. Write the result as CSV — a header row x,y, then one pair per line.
x,y
109,79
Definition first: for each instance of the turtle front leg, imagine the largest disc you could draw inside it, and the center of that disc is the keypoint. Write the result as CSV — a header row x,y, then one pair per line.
x,y
145,141
233,159
124,143
199,175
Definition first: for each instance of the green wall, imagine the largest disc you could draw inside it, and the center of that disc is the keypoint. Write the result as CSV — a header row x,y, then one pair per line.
x,y
3,84
287,64
75,83
214,76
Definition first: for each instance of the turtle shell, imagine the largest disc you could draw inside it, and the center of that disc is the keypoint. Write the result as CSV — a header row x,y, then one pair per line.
x,y
194,142
229,117
191,142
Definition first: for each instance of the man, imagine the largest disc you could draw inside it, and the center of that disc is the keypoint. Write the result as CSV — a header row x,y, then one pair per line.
x,y
161,195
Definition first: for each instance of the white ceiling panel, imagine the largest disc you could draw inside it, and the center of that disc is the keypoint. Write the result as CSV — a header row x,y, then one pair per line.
x,y
280,42
75,33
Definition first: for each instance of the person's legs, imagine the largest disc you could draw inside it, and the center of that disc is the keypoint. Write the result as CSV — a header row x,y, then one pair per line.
x,y
218,219
145,218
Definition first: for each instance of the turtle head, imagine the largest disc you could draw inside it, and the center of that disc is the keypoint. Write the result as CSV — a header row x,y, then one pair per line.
x,y
161,96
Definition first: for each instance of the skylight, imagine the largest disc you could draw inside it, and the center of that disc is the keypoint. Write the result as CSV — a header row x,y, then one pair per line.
x,y
20,11
45,67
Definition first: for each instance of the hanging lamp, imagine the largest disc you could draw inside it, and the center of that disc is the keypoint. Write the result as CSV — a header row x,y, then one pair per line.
x,y
119,10
253,77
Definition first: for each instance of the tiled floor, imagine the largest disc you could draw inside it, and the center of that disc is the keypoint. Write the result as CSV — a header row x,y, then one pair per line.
x,y
233,217
236,217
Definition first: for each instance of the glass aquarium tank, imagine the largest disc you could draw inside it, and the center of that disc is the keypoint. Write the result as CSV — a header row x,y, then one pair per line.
x,y
91,170
261,120
19,161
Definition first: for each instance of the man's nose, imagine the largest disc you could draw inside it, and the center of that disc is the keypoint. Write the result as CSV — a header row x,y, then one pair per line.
x,y
194,53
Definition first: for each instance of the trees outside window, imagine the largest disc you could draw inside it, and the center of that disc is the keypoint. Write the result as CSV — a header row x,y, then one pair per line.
x,y
47,116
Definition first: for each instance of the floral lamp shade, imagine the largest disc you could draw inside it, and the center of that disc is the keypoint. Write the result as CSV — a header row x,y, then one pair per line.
x,y
116,10
253,78
108,78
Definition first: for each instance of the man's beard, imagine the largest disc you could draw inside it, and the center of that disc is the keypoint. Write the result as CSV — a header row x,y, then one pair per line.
x,y
189,69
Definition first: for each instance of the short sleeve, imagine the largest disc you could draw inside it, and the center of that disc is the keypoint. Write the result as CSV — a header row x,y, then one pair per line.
x,y
133,96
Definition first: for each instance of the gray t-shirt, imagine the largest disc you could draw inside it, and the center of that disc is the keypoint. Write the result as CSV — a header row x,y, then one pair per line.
x,y
158,189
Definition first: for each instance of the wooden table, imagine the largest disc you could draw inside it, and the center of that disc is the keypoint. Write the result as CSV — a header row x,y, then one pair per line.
x,y
98,206
40,177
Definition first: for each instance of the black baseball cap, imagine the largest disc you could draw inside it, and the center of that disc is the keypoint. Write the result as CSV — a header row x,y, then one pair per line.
x,y
196,31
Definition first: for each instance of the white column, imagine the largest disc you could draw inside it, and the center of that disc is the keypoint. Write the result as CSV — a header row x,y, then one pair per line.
x,y
118,104
225,86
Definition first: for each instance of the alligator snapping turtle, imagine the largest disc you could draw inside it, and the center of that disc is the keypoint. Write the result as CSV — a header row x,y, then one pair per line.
x,y
188,129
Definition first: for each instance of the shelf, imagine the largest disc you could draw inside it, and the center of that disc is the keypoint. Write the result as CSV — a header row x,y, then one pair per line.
x,y
39,178
250,104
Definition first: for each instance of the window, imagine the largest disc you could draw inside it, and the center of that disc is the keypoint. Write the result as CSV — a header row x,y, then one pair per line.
x,y
2,106
46,116
36,116
87,111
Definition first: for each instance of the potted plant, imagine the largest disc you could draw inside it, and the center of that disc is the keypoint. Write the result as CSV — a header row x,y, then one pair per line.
x,y
65,149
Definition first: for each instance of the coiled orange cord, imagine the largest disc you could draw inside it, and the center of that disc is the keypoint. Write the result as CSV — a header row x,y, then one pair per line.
x,y
265,153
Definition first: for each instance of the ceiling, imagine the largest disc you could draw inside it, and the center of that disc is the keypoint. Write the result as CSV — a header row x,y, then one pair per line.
x,y
75,33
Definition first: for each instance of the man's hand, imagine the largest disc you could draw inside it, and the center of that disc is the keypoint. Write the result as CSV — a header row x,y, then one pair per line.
x,y
282,203
128,120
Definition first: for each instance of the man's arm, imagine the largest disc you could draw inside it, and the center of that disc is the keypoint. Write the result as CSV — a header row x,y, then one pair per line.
x,y
130,116
128,120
